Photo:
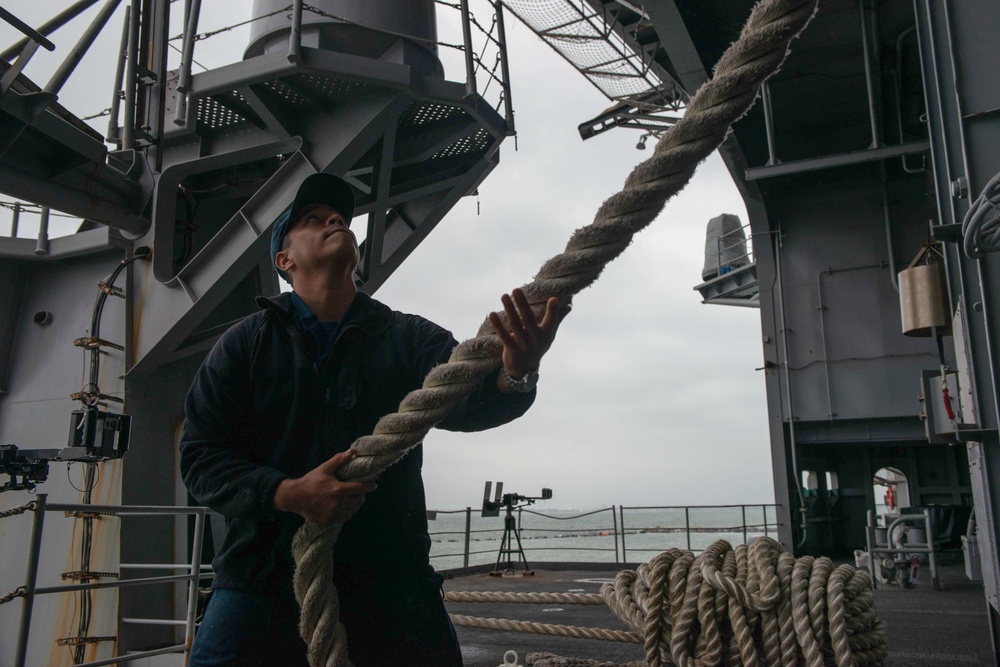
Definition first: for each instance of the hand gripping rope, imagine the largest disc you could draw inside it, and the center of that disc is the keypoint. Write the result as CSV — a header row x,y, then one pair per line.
x,y
759,51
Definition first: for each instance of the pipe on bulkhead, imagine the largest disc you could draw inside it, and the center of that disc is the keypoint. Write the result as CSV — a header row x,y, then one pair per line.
x,y
113,129
765,96
42,245
898,85
804,525
131,70
887,217
295,36
187,57
15,220
869,78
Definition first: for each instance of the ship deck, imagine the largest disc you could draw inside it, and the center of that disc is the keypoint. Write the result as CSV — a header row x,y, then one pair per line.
x,y
925,627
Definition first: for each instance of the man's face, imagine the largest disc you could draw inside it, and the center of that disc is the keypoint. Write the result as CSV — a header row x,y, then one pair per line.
x,y
321,238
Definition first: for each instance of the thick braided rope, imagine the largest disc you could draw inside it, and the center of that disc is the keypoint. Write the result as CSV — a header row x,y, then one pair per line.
x,y
14,511
830,618
576,632
809,642
823,616
551,660
524,598
757,54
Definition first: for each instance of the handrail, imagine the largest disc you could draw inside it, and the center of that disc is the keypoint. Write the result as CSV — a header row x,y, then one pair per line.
x,y
473,61
743,240
77,53
26,30
194,574
754,524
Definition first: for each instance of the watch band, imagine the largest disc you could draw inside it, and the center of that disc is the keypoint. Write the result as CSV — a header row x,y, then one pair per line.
x,y
525,384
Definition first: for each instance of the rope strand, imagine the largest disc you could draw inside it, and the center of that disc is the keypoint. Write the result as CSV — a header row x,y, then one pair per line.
x,y
759,51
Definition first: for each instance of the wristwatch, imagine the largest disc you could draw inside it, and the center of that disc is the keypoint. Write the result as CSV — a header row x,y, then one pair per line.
x,y
525,384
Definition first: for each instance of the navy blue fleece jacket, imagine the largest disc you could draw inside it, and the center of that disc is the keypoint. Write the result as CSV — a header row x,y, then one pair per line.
x,y
260,411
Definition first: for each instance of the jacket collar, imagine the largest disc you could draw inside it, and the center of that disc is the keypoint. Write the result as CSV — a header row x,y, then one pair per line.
x,y
369,316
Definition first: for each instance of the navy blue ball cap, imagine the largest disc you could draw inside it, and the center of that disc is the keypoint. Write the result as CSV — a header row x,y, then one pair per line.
x,y
320,188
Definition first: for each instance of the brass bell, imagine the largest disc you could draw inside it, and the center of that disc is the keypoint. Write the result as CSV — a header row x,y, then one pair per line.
x,y
923,295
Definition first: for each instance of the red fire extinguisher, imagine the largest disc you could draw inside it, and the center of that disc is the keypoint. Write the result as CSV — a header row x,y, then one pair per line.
x,y
890,498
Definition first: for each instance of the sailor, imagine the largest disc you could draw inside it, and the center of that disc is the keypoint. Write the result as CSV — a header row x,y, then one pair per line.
x,y
270,419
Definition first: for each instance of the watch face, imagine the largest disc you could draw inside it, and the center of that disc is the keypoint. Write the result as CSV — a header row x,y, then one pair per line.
x,y
525,384
528,382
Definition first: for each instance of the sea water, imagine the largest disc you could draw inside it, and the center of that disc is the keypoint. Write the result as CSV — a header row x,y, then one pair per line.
x,y
604,535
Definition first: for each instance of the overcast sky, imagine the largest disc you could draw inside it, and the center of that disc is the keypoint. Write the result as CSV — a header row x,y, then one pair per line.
x,y
647,397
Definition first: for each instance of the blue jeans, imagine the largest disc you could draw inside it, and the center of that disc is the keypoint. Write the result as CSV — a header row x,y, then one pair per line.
x,y
248,629
389,623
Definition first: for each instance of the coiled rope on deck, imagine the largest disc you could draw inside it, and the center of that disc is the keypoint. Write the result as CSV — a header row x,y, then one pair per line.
x,y
751,606
759,51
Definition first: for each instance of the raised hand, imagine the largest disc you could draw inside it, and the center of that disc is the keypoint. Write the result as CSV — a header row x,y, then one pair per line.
x,y
527,340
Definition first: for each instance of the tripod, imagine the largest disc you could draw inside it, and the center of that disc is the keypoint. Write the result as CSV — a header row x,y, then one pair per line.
x,y
506,546
510,501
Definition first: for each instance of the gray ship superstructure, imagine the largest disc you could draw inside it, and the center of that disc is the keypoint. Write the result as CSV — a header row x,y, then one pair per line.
x,y
862,157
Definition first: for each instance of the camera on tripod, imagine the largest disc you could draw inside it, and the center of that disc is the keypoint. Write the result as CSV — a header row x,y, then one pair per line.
x,y
509,502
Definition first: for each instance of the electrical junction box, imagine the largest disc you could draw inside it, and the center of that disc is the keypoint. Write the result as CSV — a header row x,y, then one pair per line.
x,y
966,391
939,426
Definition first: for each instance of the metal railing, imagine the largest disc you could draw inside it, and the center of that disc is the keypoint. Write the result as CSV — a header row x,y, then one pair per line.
x,y
478,44
22,51
747,530
467,533
623,526
604,49
740,240
875,550
599,531
31,589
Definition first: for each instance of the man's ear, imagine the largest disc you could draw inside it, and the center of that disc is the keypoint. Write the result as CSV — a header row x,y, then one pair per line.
x,y
284,261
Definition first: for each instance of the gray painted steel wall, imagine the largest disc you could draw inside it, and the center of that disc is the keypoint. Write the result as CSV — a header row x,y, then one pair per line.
x,y
960,74
854,376
848,356
34,413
